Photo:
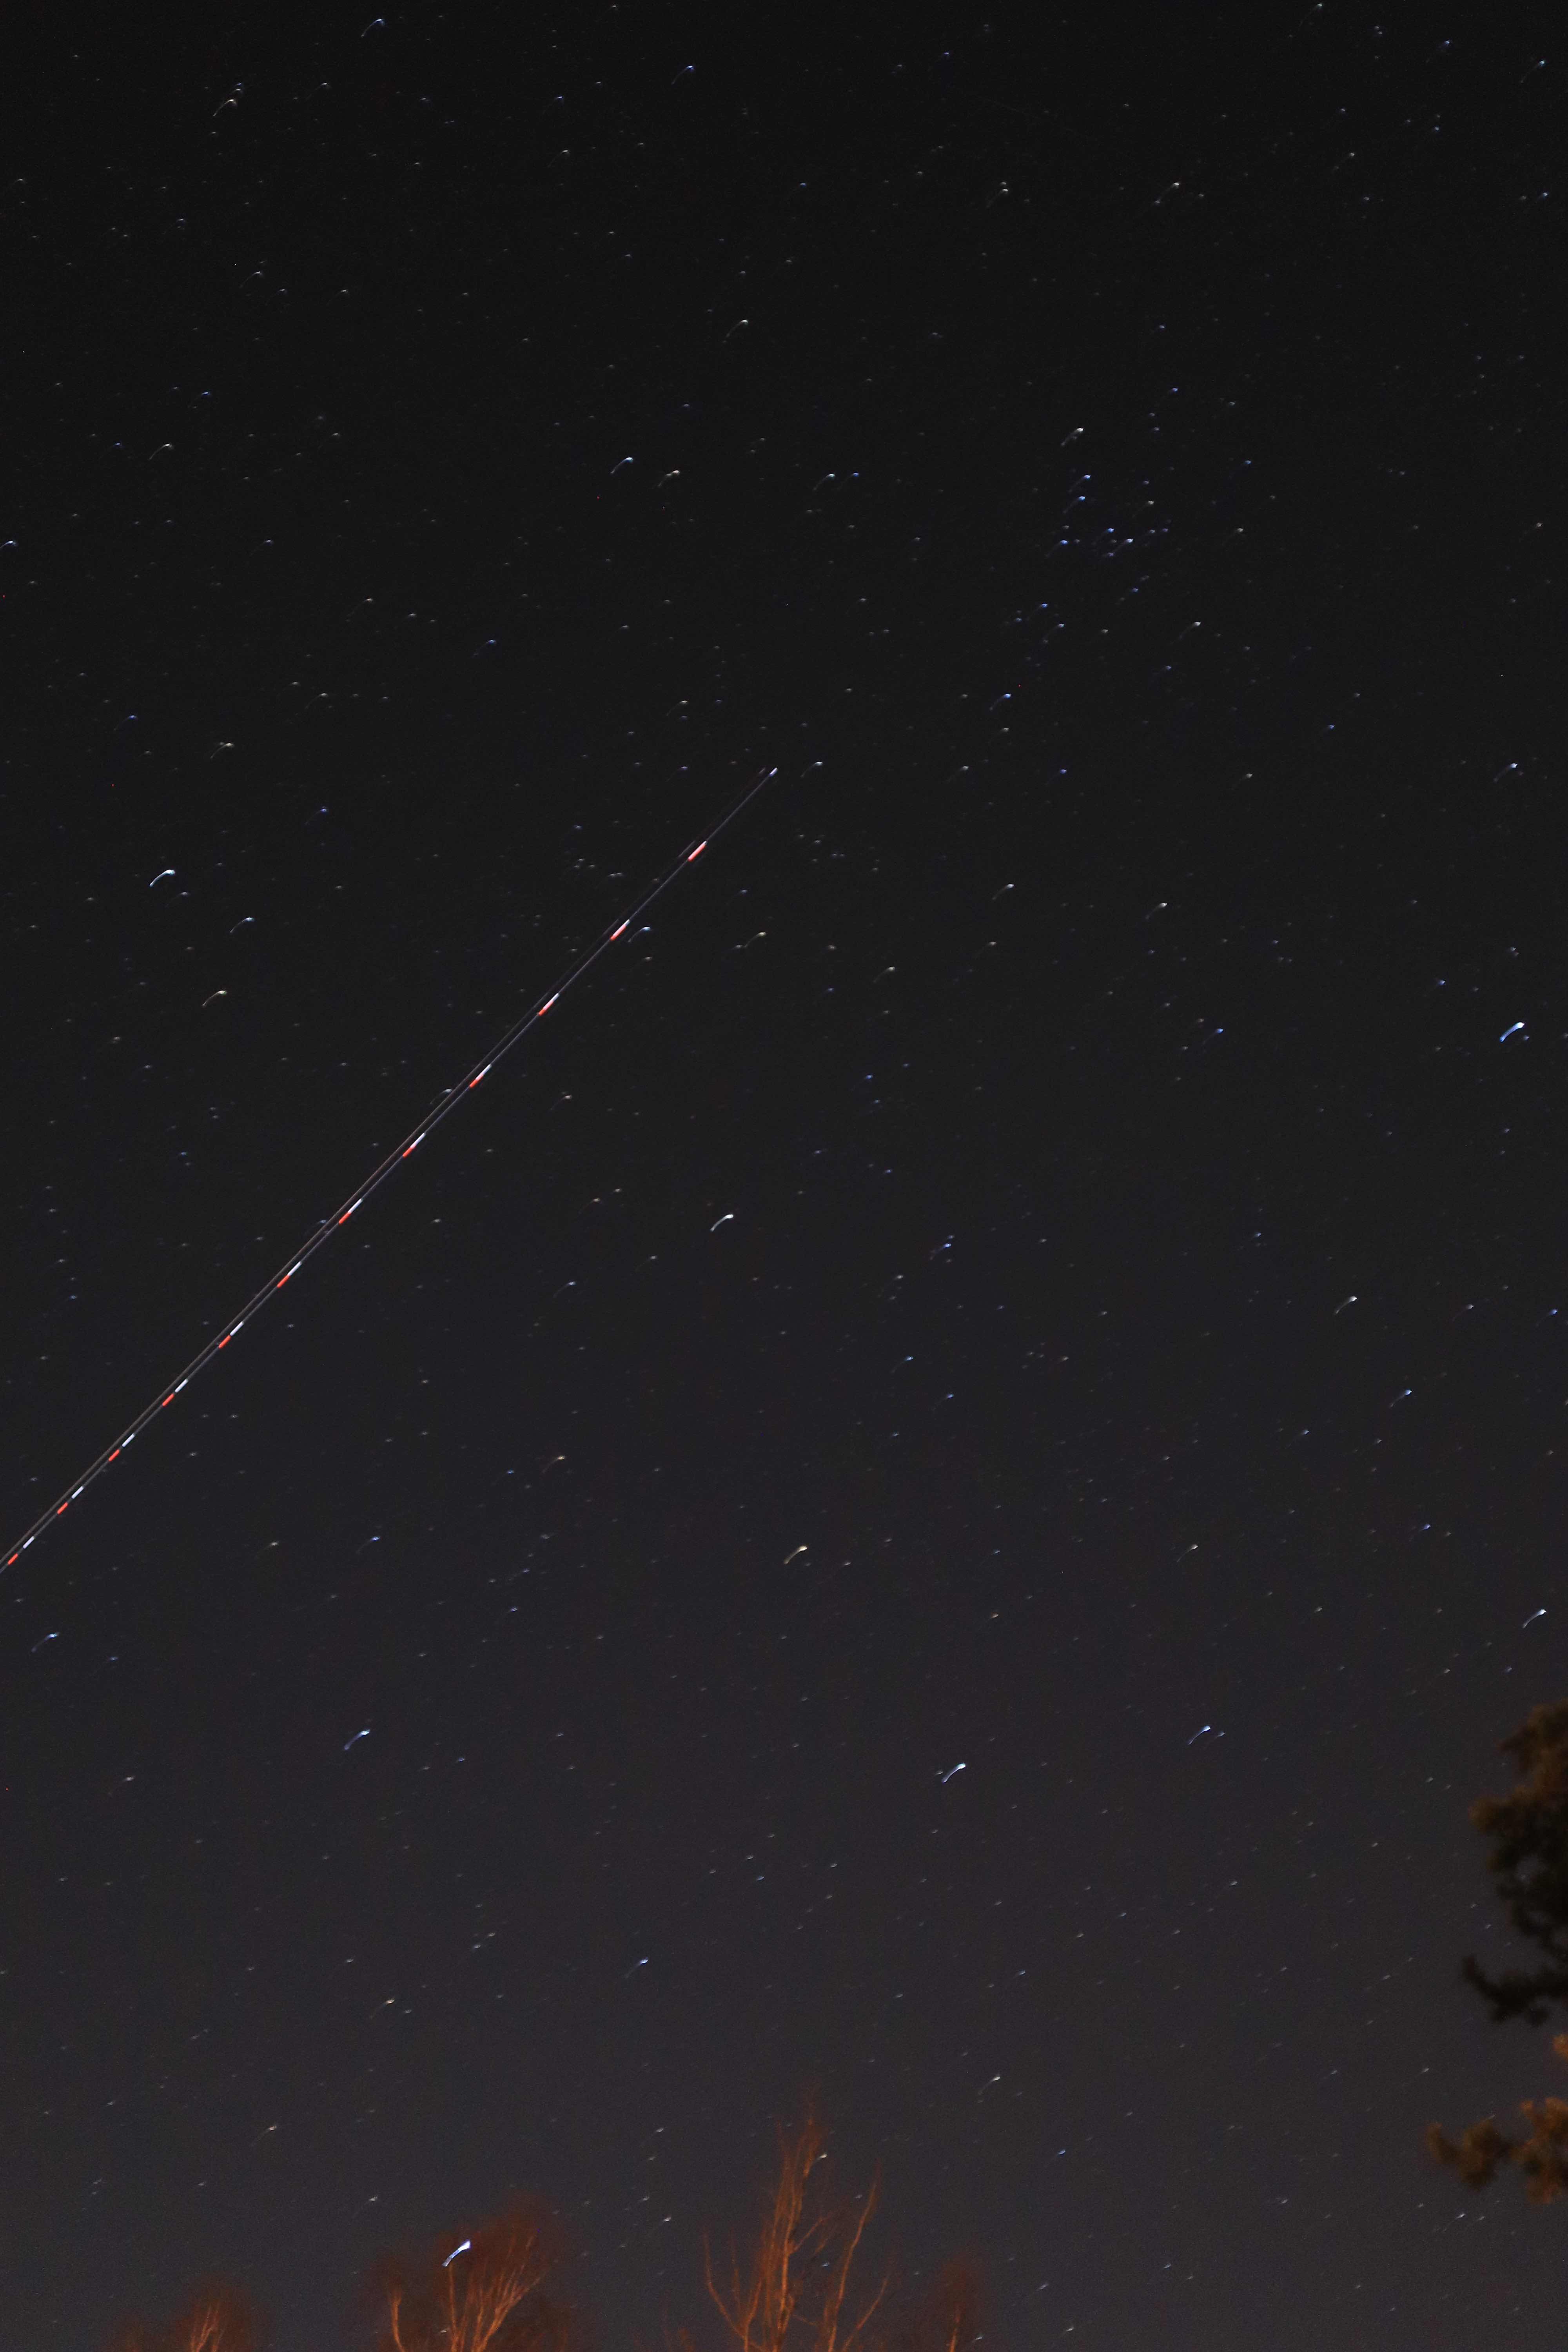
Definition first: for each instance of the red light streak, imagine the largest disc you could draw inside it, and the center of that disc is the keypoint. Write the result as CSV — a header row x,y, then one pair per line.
x,y
378,1175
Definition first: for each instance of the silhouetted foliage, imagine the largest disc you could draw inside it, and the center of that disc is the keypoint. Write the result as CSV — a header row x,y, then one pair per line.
x,y
1529,1861
217,2318
480,2292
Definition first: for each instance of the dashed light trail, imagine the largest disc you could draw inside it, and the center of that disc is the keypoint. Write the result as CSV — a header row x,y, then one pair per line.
x,y
410,1143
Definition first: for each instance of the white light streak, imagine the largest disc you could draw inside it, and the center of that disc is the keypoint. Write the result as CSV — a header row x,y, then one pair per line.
x,y
399,1152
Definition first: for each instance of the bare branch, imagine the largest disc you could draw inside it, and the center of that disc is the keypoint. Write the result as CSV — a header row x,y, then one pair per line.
x,y
795,2289
484,2297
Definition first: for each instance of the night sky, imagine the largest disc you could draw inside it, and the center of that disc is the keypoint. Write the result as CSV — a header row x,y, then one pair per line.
x,y
942,1489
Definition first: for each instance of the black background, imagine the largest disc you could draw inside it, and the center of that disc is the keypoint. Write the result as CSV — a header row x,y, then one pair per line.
x,y
1110,467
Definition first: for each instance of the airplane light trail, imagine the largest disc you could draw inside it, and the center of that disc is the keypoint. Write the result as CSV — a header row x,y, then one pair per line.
x,y
378,1175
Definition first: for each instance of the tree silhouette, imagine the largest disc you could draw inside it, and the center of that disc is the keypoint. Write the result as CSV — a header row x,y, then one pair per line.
x,y
950,2318
219,2318
803,2286
480,2292
1529,1861
799,2289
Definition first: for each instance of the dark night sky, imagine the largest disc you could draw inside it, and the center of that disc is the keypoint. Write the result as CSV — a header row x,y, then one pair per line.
x,y
1116,478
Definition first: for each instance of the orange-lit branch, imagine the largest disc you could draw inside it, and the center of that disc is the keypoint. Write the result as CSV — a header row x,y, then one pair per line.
x,y
767,2306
